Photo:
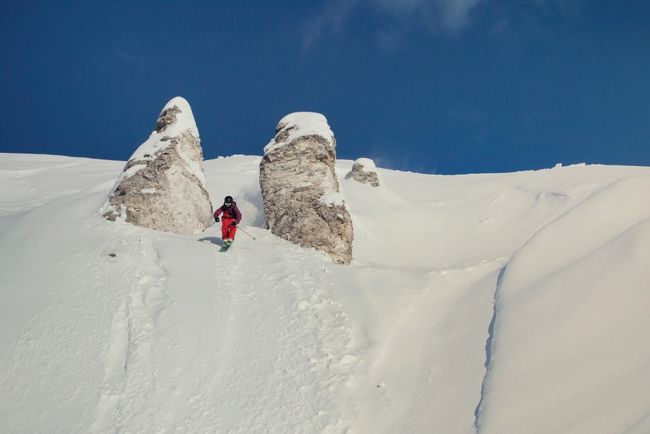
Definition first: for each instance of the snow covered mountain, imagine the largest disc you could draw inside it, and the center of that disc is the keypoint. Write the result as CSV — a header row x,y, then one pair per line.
x,y
497,303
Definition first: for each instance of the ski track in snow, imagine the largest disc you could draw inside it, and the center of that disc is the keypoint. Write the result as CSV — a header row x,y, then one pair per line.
x,y
284,328
248,376
46,347
141,344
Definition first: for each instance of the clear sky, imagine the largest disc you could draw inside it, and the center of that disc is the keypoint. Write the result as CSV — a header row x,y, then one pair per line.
x,y
435,86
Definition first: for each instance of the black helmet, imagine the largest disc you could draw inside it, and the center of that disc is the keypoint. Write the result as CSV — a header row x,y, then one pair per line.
x,y
228,199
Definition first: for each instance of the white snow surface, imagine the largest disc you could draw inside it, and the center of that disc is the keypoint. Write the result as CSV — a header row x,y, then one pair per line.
x,y
497,303
302,124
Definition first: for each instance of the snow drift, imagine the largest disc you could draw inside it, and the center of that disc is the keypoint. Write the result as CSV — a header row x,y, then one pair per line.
x,y
571,308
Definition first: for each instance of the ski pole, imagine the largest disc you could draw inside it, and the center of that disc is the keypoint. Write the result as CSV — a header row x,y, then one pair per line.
x,y
245,232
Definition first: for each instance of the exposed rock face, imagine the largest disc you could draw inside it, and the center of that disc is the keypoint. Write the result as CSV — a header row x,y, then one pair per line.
x,y
364,171
163,185
301,194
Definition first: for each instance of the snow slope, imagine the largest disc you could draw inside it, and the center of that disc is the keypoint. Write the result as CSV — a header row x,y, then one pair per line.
x,y
501,303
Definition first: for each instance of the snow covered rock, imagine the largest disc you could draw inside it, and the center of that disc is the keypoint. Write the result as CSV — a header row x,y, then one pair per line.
x,y
163,185
364,171
302,201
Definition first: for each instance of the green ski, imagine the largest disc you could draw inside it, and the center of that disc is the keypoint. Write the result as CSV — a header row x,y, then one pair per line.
x,y
225,246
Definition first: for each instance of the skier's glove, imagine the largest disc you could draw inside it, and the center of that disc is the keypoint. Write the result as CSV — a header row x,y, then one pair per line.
x,y
233,224
216,219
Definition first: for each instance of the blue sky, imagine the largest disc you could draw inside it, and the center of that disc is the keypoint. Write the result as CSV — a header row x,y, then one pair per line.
x,y
435,86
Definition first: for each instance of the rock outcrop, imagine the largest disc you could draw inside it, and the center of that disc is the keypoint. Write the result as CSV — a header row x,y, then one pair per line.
x,y
364,171
302,201
163,184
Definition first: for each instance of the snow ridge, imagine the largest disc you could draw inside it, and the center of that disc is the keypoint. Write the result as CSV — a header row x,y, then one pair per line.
x,y
489,346
555,253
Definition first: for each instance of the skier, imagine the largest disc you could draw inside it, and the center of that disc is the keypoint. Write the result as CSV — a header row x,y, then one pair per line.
x,y
229,221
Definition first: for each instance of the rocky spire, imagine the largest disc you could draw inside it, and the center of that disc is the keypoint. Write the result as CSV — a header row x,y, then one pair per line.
x,y
302,201
162,185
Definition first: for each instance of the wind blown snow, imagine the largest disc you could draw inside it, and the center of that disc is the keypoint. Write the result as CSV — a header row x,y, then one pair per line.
x,y
500,303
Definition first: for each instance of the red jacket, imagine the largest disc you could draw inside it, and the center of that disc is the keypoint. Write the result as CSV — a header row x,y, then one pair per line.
x,y
229,212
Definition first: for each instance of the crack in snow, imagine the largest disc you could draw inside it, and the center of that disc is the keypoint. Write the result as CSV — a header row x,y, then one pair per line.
x,y
488,349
